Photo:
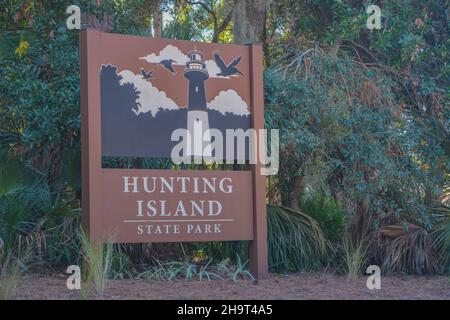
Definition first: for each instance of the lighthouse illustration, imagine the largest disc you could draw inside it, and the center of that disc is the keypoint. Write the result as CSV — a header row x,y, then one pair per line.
x,y
197,118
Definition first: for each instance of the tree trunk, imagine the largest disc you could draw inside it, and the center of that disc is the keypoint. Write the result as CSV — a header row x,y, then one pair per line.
x,y
297,193
156,15
249,21
105,24
157,20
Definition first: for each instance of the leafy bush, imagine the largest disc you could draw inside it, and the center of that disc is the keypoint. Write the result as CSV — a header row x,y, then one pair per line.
x,y
29,211
343,130
327,212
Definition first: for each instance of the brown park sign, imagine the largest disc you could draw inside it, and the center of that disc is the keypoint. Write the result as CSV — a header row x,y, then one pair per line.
x,y
135,91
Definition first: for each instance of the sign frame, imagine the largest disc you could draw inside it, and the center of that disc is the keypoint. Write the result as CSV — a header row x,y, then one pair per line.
x,y
91,155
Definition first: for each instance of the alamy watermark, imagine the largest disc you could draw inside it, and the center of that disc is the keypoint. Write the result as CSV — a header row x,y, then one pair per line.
x,y
74,280
374,280
374,20
199,144
74,19
73,22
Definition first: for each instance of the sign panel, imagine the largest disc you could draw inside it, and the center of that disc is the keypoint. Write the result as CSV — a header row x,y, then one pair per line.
x,y
173,206
135,92
151,88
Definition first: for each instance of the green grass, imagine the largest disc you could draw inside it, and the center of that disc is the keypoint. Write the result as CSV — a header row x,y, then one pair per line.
x,y
354,257
13,263
97,261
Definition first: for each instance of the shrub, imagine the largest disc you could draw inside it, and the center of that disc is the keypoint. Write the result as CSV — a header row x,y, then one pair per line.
x,y
405,248
295,240
327,212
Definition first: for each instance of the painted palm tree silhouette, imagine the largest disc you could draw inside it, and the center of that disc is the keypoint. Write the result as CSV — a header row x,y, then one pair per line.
x,y
227,70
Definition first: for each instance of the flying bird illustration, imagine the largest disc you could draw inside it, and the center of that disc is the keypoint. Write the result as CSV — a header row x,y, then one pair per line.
x,y
145,74
227,70
168,65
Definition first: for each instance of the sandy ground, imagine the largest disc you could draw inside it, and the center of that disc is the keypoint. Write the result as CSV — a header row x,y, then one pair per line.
x,y
292,286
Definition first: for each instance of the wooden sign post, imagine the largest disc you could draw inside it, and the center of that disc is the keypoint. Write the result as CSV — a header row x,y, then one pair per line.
x,y
135,92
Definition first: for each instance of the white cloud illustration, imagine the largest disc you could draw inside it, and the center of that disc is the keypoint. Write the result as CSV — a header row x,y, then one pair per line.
x,y
150,98
172,52
169,52
229,101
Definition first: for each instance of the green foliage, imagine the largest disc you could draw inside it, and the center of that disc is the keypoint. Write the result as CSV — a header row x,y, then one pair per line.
x,y
29,212
443,231
181,29
354,256
171,270
97,257
206,19
342,128
364,122
12,267
39,86
295,240
412,32
19,198
238,271
404,248
413,252
327,212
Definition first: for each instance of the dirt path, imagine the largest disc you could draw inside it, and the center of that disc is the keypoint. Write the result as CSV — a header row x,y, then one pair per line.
x,y
293,286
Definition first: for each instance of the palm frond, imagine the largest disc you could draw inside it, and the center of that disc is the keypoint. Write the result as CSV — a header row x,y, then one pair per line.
x,y
409,251
442,233
295,240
